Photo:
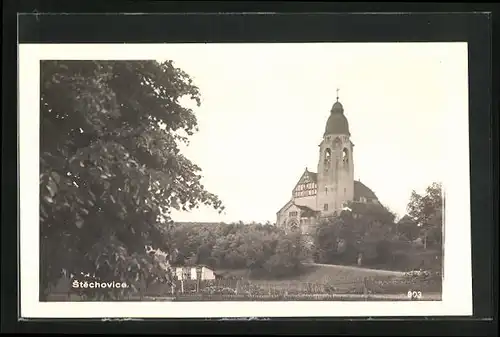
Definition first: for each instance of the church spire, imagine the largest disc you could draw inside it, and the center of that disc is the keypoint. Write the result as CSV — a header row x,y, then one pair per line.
x,y
338,94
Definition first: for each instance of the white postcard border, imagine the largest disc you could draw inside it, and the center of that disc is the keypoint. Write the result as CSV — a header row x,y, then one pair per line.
x,y
457,285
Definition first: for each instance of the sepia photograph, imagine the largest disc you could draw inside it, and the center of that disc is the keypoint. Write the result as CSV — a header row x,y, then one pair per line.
x,y
278,172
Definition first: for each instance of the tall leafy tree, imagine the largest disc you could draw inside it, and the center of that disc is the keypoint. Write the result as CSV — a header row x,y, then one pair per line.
x,y
426,210
408,228
364,230
327,237
110,166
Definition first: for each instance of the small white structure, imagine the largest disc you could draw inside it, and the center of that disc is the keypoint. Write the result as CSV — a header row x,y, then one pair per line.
x,y
200,272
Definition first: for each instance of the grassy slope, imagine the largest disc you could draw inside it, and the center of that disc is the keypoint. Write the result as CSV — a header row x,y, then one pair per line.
x,y
321,273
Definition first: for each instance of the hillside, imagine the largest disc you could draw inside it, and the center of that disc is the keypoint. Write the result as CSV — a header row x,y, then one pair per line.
x,y
320,273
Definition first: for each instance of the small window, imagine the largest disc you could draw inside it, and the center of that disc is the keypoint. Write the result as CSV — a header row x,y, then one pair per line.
x,y
345,156
328,158
325,207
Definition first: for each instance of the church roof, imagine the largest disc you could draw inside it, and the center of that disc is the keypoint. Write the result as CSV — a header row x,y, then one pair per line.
x,y
313,176
372,209
307,177
337,107
306,209
337,122
288,203
361,207
361,190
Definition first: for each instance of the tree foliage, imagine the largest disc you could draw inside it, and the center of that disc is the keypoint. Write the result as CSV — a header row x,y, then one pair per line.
x,y
110,166
364,230
427,212
263,249
408,229
368,232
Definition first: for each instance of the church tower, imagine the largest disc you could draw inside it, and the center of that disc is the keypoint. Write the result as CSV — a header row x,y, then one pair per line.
x,y
335,166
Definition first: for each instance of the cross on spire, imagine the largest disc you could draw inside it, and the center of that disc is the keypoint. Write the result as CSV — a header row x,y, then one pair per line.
x,y
338,94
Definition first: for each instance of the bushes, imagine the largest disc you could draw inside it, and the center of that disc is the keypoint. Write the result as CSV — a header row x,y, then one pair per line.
x,y
425,281
265,297
400,260
218,290
263,249
384,251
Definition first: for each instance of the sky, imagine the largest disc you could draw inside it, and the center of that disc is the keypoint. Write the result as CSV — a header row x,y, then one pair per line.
x,y
262,118
265,106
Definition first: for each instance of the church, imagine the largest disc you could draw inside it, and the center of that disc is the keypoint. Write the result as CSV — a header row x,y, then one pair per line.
x,y
326,192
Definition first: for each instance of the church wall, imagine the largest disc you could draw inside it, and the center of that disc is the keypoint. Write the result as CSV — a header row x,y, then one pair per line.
x,y
332,185
291,216
309,201
335,183
288,216
281,219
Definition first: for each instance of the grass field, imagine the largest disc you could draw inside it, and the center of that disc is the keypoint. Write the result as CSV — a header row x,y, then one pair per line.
x,y
343,281
322,273
305,297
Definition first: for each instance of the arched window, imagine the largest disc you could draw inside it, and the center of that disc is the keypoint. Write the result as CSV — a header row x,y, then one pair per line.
x,y
328,158
345,156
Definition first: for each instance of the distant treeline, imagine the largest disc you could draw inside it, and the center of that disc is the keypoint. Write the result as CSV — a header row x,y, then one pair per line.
x,y
365,235
263,249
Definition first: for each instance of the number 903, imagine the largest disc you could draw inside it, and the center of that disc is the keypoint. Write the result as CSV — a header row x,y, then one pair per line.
x,y
414,295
